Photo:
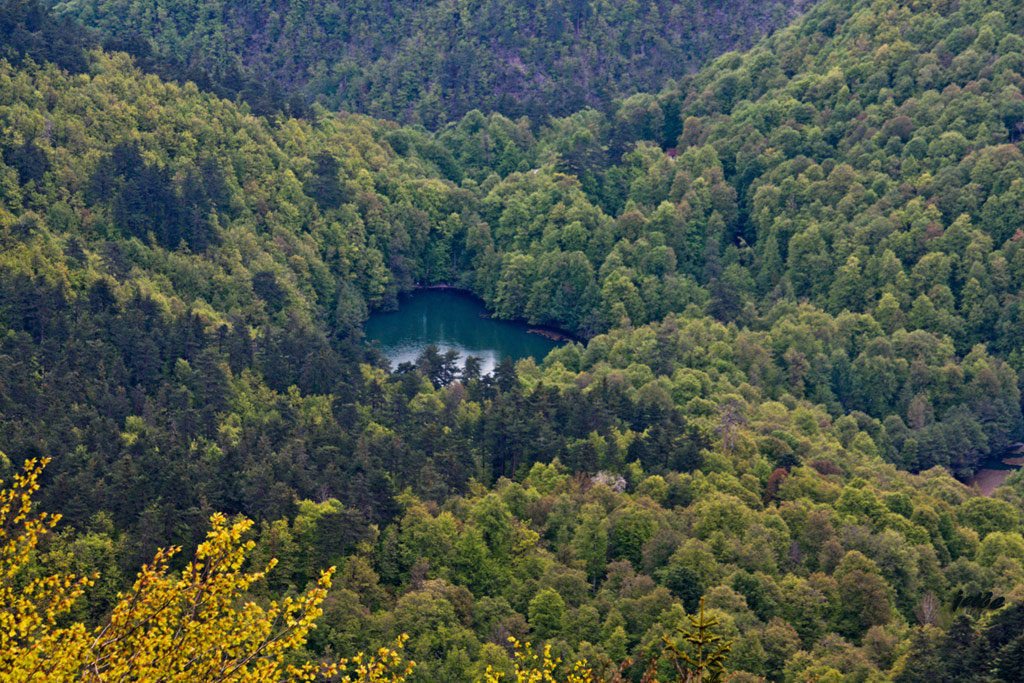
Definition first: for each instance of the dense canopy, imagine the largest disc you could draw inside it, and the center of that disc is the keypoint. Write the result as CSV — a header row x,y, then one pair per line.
x,y
797,272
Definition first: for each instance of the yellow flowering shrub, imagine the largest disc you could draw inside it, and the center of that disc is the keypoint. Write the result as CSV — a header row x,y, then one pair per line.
x,y
530,667
32,647
193,627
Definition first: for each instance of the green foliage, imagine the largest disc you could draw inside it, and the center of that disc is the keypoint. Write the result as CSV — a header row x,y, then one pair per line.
x,y
29,31
986,515
547,614
710,651
433,62
799,325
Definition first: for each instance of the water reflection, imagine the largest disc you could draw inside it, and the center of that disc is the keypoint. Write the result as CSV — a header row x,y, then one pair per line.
x,y
451,320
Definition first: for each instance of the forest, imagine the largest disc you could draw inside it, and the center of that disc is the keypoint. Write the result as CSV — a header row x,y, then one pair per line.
x,y
795,269
429,62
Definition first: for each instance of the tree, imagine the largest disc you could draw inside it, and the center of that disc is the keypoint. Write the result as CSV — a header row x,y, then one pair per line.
x,y
705,662
927,659
193,627
547,614
684,583
529,667
472,368
29,644
1010,659
986,515
591,541
632,527
864,596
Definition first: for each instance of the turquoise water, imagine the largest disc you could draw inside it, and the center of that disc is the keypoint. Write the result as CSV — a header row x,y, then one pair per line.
x,y
451,320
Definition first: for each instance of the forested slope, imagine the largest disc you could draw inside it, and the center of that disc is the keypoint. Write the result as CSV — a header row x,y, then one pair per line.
x,y
785,337
430,62
866,159
804,173
150,229
29,30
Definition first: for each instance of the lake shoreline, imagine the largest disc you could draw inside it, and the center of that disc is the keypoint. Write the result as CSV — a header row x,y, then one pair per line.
x,y
988,479
452,319
551,332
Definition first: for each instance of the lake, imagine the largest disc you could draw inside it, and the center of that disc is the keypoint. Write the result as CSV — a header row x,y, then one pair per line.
x,y
993,472
451,319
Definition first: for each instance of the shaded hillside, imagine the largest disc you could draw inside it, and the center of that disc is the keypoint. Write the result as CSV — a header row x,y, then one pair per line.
x,y
430,62
29,30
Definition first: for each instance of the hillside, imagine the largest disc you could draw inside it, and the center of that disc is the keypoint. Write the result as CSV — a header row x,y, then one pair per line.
x,y
800,298
429,62
865,159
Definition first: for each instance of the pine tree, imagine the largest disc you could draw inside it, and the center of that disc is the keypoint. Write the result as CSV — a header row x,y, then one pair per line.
x,y
705,663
